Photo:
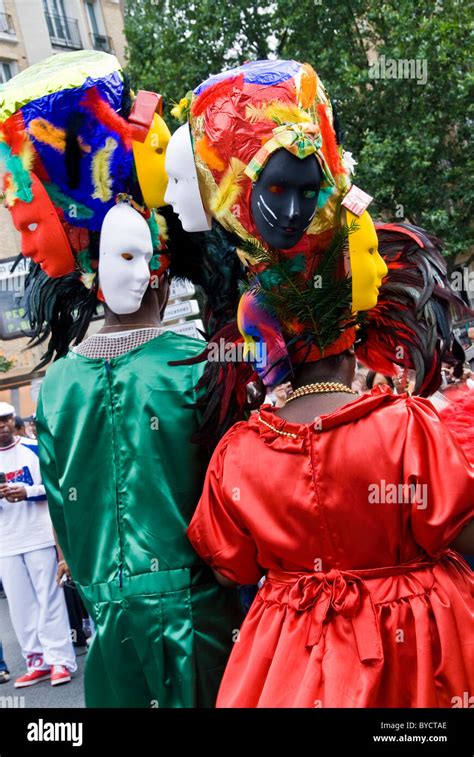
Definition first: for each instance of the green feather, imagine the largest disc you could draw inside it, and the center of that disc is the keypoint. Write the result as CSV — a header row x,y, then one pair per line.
x,y
154,230
71,207
287,289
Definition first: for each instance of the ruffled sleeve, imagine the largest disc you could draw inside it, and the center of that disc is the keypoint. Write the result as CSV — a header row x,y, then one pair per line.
x,y
436,465
216,531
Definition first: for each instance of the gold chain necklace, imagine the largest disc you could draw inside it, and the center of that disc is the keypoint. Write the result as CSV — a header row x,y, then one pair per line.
x,y
320,388
277,430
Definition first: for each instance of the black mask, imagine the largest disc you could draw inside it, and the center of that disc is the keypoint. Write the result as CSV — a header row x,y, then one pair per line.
x,y
284,198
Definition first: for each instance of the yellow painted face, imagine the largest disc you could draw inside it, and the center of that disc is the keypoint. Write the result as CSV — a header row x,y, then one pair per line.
x,y
368,268
150,163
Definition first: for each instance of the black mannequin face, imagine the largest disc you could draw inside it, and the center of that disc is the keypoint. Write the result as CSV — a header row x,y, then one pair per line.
x,y
284,198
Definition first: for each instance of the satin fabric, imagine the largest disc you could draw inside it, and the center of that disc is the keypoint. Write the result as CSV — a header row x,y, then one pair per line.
x,y
123,480
363,605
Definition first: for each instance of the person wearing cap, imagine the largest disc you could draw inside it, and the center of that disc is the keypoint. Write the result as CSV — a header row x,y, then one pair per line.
x,y
28,562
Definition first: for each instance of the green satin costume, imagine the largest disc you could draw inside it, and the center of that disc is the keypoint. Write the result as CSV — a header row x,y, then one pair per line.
x,y
123,480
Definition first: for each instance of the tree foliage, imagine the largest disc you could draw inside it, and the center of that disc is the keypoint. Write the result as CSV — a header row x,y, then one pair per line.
x,y
411,139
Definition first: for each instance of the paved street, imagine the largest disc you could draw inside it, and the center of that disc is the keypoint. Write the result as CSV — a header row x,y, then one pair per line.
x,y
41,694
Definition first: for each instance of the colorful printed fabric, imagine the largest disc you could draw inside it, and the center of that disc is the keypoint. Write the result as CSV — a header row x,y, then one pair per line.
x,y
301,140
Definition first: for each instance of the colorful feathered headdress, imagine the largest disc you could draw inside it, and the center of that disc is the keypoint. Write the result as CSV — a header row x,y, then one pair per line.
x,y
73,142
239,118
71,110
71,123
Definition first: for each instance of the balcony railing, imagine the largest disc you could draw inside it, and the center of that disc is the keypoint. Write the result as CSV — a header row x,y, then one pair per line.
x,y
63,31
101,42
6,24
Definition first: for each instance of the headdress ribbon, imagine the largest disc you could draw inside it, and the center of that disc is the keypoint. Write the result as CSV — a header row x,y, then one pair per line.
x,y
301,139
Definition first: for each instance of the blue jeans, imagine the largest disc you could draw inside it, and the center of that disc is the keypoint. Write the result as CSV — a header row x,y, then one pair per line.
x,y
3,664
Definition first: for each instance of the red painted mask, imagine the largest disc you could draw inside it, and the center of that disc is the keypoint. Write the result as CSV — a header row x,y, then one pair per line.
x,y
43,237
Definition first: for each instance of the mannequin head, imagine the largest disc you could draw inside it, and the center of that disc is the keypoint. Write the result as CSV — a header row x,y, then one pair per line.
x,y
42,235
368,268
150,163
125,252
284,198
183,188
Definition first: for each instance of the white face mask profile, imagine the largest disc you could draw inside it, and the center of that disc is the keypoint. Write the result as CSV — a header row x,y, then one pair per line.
x,y
125,252
183,192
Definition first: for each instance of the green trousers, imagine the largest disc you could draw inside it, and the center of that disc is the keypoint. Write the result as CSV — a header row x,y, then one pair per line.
x,y
162,640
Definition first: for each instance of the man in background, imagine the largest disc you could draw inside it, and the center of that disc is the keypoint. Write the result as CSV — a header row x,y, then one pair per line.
x,y
28,562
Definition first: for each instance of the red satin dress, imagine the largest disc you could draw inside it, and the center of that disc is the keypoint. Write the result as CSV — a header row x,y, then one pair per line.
x,y
363,604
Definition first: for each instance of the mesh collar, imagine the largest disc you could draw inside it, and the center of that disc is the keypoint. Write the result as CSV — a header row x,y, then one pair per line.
x,y
112,345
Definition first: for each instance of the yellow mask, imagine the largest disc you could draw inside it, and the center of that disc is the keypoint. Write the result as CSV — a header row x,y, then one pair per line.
x,y
150,163
368,268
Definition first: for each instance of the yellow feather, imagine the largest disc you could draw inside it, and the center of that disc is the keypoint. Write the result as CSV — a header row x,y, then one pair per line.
x,y
101,177
285,113
162,226
254,113
10,194
27,156
246,258
229,188
276,111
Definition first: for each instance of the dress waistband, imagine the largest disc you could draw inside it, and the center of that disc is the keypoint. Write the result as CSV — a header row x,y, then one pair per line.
x,y
343,592
384,571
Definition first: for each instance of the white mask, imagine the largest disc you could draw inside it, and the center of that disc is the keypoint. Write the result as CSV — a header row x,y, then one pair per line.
x,y
183,187
124,258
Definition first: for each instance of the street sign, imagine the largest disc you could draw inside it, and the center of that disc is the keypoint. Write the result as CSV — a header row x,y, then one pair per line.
x,y
188,328
181,289
178,310
13,320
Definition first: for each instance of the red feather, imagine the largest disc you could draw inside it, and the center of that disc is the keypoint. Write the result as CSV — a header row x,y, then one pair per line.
x,y
14,130
104,113
330,149
211,94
